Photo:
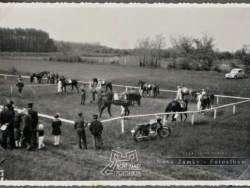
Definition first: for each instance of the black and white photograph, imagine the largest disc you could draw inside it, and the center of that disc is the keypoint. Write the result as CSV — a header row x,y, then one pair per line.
x,y
124,94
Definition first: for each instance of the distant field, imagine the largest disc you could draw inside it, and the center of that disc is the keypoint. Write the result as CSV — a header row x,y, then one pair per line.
x,y
228,134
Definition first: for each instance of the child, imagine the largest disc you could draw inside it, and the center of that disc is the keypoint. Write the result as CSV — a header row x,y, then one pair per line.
x,y
56,130
40,135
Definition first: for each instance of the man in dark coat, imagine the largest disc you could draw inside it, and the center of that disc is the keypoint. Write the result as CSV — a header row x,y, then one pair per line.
x,y
34,117
19,86
79,126
26,130
96,130
6,118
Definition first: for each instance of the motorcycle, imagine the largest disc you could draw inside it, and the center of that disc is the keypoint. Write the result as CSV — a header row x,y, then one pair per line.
x,y
150,130
2,172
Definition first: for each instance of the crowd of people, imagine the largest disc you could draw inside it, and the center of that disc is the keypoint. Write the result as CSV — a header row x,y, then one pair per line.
x,y
21,129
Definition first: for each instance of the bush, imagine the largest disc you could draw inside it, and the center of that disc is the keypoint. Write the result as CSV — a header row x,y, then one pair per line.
x,y
172,65
13,70
217,69
185,65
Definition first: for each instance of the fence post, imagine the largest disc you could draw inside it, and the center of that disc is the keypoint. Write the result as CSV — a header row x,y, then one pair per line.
x,y
192,121
122,124
11,90
126,89
151,93
5,77
217,99
233,109
164,120
215,111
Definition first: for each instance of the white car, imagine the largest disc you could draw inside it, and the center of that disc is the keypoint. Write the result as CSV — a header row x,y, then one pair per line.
x,y
236,73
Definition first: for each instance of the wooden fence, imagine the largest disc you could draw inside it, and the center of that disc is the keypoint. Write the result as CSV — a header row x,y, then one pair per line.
x,y
155,114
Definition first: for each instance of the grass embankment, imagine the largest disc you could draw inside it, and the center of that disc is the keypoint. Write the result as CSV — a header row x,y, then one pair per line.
x,y
227,136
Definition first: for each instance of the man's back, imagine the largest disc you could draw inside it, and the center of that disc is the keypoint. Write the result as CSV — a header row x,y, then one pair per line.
x,y
7,115
96,127
34,116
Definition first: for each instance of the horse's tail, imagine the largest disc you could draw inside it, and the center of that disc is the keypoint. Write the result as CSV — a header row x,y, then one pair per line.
x,y
158,90
99,103
168,108
111,87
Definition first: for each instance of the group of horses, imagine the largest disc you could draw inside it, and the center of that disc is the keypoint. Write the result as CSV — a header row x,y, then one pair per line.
x,y
204,101
105,100
52,78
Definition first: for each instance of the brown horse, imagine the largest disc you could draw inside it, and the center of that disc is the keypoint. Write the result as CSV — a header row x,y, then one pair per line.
x,y
176,106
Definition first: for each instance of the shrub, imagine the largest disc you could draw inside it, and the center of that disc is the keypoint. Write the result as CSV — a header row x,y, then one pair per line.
x,y
217,69
13,70
172,65
185,65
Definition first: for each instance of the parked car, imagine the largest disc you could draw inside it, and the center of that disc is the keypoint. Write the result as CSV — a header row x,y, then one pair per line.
x,y
236,73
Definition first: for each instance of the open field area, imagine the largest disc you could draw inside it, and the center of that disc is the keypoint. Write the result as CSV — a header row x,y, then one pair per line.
x,y
226,136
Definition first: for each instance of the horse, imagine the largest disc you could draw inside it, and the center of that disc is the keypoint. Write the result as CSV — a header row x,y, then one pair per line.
x,y
69,82
39,76
134,97
103,83
188,91
147,87
51,78
106,99
177,106
205,101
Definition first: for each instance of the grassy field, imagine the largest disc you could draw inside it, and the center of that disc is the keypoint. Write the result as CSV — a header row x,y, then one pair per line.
x,y
227,136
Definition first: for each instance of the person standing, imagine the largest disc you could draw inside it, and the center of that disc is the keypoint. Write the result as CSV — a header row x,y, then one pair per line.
x,y
40,135
57,78
60,86
178,95
26,130
96,128
56,130
7,121
34,117
83,95
19,86
80,128
17,130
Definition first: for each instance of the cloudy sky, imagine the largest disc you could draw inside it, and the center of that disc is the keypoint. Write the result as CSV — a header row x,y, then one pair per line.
x,y
120,26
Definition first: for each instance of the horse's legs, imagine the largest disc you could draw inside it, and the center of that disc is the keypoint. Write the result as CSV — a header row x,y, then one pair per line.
x,y
181,117
111,88
147,93
77,88
186,116
106,88
109,110
127,111
173,118
104,106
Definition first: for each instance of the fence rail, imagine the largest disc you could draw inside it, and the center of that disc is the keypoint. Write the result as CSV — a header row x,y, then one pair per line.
x,y
164,90
155,114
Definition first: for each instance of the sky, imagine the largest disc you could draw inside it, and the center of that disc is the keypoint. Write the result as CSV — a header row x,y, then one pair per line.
x,y
120,26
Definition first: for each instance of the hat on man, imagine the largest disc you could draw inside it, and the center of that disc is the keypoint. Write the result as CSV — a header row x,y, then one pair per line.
x,y
11,102
80,114
30,105
57,115
95,116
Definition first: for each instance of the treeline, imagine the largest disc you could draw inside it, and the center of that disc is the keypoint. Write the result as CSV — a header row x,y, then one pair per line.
x,y
25,40
191,53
